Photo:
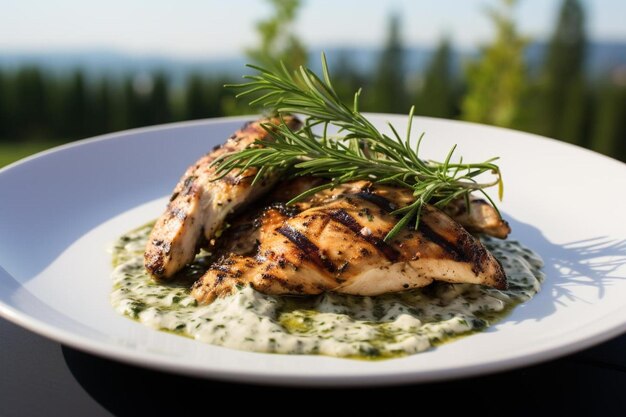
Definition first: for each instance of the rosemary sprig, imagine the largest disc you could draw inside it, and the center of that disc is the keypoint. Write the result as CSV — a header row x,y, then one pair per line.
x,y
360,152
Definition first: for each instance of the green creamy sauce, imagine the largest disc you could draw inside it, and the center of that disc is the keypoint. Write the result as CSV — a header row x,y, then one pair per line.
x,y
328,324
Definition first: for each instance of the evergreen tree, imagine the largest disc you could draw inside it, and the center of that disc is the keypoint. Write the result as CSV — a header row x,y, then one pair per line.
x,y
208,98
563,78
278,41
138,100
436,98
102,118
76,113
130,105
218,94
56,97
609,134
4,107
496,81
117,114
574,123
159,106
197,102
30,116
346,79
388,93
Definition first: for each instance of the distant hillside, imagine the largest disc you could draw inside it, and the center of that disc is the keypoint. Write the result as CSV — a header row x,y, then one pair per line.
x,y
602,57
114,64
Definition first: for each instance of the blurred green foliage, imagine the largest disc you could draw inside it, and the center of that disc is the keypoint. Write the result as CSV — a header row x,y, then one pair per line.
x,y
388,89
277,41
440,90
38,109
563,79
12,151
36,105
496,81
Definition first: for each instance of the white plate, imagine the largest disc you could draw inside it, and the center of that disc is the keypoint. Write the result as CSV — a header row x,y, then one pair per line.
x,y
61,209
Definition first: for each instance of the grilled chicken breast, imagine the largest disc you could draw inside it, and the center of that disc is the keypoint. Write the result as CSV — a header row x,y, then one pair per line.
x,y
243,236
198,205
333,241
481,217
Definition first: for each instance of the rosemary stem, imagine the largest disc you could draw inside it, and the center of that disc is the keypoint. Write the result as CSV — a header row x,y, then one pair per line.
x,y
363,152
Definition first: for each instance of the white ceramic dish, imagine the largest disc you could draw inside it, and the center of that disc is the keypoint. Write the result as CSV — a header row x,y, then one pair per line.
x,y
59,211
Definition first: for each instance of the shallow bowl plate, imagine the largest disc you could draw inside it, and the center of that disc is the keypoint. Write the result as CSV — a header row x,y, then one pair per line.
x,y
61,209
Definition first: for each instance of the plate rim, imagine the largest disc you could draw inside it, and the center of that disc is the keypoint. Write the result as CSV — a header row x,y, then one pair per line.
x,y
169,364
609,329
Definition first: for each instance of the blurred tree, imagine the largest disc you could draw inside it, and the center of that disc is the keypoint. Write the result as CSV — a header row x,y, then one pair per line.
x,y
230,106
29,101
346,78
208,98
436,98
496,81
137,100
609,133
102,118
219,96
563,76
56,88
118,111
131,104
159,102
388,92
197,101
75,108
575,112
278,41
4,106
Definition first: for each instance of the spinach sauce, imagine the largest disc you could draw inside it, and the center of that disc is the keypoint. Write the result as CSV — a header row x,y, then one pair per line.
x,y
338,325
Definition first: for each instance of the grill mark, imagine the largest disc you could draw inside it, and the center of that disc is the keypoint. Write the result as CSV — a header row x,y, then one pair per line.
x,y
293,288
464,250
379,201
308,248
456,251
350,222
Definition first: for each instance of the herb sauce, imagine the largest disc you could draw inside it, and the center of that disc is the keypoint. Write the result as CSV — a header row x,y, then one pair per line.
x,y
328,324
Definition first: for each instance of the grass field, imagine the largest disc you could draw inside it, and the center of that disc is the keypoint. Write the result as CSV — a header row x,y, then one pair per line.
x,y
12,151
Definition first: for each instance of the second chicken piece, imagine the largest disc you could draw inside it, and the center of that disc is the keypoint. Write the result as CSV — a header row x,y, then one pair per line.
x,y
333,241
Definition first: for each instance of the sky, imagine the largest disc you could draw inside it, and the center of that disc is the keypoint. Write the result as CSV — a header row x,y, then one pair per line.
x,y
223,28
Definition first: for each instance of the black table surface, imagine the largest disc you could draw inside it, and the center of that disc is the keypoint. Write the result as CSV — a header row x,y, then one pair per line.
x,y
39,377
